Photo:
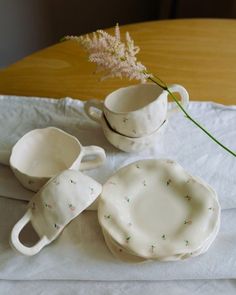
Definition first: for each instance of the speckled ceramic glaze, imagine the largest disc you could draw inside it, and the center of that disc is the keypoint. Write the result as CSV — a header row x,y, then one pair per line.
x,y
59,201
153,209
137,110
123,254
42,153
131,144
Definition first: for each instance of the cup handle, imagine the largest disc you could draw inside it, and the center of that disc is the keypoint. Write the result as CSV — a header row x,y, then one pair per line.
x,y
99,157
16,243
184,97
89,107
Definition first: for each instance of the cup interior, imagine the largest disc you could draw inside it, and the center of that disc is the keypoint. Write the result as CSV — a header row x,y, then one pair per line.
x,y
45,152
132,98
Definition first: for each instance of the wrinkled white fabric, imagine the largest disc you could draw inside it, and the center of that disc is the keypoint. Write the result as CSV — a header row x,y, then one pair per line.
x,y
195,287
80,253
78,261
182,141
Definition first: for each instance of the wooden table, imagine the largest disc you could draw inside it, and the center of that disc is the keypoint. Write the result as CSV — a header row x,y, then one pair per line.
x,y
197,53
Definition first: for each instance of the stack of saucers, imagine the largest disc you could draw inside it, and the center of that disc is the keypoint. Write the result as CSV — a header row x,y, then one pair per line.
x,y
155,210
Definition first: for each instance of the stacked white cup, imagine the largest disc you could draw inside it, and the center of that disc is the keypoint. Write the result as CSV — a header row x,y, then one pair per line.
x,y
133,117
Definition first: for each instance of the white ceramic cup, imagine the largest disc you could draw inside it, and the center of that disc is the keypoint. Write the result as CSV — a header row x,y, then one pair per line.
x,y
42,153
137,110
59,201
131,144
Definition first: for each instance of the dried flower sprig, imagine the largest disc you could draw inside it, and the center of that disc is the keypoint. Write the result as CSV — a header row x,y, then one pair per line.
x,y
118,59
115,58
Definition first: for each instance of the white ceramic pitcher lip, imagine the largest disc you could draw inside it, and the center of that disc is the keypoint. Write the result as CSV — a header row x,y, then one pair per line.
x,y
45,177
128,87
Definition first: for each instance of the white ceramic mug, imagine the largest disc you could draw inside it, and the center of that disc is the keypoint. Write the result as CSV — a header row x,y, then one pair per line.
x,y
42,153
137,110
59,201
131,144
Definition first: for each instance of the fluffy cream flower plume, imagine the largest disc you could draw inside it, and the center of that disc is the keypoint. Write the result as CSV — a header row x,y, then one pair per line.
x,y
112,56
118,59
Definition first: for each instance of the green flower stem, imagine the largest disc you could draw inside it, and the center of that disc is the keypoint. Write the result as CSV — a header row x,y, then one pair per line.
x,y
160,83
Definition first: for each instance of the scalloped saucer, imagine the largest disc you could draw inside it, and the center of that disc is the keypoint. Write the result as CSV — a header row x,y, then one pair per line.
x,y
154,209
121,253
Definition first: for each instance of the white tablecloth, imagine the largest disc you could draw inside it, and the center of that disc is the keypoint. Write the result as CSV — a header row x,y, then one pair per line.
x,y
182,141
195,287
80,253
79,262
